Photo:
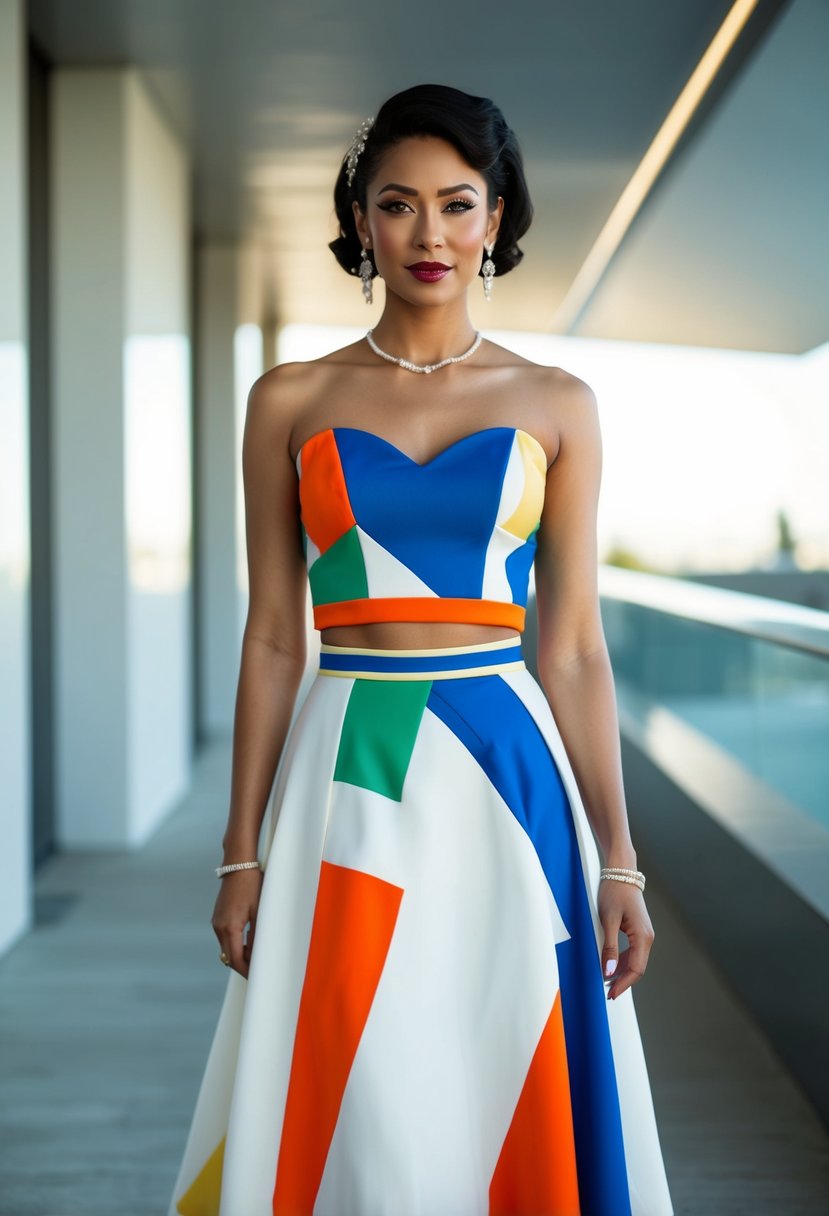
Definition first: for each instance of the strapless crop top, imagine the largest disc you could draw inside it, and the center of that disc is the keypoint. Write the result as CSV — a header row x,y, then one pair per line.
x,y
388,539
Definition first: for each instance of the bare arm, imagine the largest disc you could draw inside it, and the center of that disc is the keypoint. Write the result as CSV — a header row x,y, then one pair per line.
x,y
574,666
273,648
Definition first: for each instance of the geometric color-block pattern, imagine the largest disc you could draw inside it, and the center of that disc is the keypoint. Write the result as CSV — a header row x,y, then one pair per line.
x,y
340,571
424,1029
522,770
379,732
535,1175
202,1196
336,998
388,538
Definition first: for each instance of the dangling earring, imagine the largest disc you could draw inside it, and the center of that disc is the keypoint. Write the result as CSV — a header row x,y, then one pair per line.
x,y
366,271
488,271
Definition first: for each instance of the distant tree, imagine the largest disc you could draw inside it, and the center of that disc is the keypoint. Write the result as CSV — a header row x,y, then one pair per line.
x,y
783,557
618,555
785,540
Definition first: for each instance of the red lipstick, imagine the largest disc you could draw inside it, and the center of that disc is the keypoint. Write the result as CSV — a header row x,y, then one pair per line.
x,y
428,272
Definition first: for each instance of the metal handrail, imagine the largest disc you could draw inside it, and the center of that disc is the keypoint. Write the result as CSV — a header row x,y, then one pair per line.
x,y
791,625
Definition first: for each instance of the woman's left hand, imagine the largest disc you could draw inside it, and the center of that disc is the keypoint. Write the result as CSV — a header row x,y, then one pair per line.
x,y
621,905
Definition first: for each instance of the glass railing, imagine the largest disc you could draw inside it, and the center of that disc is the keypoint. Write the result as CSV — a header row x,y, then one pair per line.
x,y
730,692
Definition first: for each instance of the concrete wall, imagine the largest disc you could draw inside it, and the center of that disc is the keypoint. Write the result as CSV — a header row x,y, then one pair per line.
x,y
158,489
121,409
230,357
15,741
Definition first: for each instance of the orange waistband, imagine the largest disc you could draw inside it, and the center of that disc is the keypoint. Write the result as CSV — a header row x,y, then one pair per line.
x,y
419,608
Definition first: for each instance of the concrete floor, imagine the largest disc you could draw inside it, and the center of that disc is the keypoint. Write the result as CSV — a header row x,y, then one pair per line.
x,y
108,1006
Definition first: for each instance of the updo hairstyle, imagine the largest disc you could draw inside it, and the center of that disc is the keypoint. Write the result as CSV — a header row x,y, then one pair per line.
x,y
476,128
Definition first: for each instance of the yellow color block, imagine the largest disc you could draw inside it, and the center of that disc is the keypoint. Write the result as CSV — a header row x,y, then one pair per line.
x,y
202,1197
528,512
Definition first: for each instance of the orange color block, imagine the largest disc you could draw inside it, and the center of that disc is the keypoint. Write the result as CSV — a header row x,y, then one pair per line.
x,y
323,496
353,924
536,1170
419,608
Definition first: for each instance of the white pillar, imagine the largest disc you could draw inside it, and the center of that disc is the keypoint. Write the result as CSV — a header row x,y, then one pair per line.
x,y
15,692
230,357
121,446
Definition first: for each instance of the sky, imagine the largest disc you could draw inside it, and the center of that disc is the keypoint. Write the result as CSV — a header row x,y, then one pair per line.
x,y
701,447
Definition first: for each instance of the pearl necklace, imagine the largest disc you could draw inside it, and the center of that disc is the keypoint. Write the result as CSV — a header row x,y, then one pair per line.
x,y
428,367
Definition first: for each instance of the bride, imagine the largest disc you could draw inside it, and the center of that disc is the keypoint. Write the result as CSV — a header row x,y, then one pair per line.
x,y
428,1012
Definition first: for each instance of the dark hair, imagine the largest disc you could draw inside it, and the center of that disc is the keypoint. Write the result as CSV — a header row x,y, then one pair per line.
x,y
476,128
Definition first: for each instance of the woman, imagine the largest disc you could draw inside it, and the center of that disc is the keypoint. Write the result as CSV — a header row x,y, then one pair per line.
x,y
424,1013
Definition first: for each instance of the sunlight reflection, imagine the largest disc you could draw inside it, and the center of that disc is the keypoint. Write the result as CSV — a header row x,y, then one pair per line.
x,y
248,365
157,460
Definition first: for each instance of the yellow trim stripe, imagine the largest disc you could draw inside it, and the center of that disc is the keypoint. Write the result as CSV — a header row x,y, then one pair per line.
x,y
500,644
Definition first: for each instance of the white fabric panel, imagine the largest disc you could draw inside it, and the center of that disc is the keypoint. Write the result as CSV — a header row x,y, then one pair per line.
x,y
495,584
647,1181
289,888
436,1014
210,1119
512,487
387,575
436,1072
311,552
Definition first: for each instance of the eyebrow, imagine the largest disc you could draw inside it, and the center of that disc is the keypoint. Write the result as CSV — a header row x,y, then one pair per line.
x,y
409,190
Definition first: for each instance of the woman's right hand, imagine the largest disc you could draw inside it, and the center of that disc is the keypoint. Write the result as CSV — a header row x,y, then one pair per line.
x,y
236,906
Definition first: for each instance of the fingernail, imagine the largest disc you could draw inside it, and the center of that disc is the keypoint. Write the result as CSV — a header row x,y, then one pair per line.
x,y
610,966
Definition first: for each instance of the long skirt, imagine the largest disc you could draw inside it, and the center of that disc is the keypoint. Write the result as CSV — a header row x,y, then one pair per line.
x,y
425,1029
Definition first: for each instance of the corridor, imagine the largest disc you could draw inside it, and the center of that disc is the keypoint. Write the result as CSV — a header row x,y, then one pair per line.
x,y
107,1010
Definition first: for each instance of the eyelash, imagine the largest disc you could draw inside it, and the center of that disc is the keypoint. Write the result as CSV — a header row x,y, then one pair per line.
x,y
465,205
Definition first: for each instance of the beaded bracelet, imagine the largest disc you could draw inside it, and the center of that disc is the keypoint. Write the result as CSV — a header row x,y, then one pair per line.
x,y
238,865
623,874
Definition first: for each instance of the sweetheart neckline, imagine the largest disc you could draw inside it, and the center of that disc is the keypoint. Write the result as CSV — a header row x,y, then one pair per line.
x,y
425,464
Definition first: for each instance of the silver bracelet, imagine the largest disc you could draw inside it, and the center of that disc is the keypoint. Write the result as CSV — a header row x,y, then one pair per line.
x,y
623,874
238,865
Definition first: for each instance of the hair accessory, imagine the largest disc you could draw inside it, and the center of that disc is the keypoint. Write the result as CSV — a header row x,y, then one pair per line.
x,y
488,271
238,865
366,271
424,367
357,145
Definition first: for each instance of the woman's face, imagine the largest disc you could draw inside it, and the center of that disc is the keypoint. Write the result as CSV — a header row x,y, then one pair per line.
x,y
426,205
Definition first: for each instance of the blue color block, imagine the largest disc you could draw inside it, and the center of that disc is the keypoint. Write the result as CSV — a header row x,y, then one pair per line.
x,y
522,769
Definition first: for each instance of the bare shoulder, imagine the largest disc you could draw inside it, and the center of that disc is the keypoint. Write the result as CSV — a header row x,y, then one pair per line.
x,y
552,383
281,385
570,393
572,407
289,388
280,395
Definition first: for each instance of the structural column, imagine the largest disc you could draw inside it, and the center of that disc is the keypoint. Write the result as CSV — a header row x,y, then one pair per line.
x,y
15,691
230,357
121,448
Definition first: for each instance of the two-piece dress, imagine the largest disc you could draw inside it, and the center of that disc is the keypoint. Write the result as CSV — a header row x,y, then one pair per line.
x,y
424,1030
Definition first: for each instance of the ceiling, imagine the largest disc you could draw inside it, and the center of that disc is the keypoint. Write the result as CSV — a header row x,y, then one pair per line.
x,y
729,247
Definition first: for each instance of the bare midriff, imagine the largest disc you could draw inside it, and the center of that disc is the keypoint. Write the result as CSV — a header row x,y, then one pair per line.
x,y
415,635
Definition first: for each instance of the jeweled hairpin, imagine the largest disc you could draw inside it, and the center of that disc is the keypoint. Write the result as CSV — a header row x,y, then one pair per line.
x,y
358,143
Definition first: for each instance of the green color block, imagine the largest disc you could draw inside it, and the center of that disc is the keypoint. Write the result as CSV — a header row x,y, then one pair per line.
x,y
378,734
340,572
